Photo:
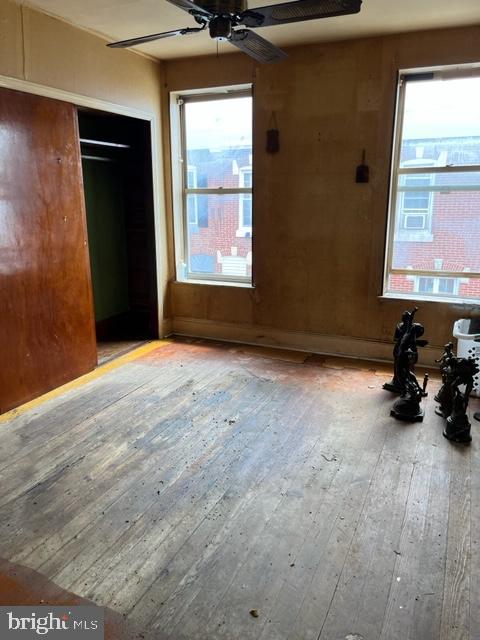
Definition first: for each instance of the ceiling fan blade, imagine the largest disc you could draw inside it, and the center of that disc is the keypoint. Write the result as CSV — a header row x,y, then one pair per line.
x,y
154,36
256,47
191,7
298,11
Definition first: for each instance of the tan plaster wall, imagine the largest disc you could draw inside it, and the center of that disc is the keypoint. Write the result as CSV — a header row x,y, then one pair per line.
x,y
319,236
49,52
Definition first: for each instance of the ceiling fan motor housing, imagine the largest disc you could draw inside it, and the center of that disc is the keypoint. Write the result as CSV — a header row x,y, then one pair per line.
x,y
220,27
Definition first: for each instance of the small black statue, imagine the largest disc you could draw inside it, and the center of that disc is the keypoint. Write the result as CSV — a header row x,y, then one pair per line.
x,y
407,340
444,361
443,395
477,414
459,385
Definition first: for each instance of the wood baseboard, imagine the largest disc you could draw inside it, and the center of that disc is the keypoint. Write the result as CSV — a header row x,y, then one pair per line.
x,y
166,328
296,340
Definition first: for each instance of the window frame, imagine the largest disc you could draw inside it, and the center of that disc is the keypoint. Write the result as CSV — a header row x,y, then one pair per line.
x,y
181,191
396,170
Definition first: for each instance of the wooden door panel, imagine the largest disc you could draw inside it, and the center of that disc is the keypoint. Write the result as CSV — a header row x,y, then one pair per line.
x,y
47,334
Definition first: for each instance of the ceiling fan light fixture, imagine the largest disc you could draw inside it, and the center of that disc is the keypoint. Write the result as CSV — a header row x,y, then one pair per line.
x,y
220,27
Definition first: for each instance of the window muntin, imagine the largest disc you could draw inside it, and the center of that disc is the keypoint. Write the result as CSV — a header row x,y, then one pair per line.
x,y
245,204
192,204
434,214
216,135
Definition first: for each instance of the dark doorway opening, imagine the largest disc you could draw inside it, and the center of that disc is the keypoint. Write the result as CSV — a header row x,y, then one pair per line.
x,y
117,174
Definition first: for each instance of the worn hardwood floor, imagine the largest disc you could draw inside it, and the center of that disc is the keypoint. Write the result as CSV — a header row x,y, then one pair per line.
x,y
202,481
107,351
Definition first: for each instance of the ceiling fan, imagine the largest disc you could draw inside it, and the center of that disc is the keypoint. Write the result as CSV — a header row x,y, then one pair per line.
x,y
222,16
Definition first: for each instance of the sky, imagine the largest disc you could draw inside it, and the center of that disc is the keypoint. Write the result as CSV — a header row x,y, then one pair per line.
x,y
219,124
442,108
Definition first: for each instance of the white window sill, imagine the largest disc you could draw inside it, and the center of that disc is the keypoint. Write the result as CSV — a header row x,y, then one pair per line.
x,y
413,236
417,297
242,233
216,283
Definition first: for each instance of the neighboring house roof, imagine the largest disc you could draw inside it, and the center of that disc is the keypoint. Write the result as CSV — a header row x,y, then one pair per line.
x,y
448,265
459,150
211,163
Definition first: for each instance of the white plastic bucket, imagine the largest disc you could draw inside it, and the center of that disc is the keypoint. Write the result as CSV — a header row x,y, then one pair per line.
x,y
468,348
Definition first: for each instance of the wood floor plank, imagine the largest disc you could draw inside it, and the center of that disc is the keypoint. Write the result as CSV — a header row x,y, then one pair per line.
x,y
367,572
135,455
241,477
78,468
455,623
404,584
229,545
289,551
262,586
181,496
474,524
421,565
70,429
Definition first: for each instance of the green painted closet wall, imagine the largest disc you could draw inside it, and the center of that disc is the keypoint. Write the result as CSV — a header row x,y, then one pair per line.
x,y
107,237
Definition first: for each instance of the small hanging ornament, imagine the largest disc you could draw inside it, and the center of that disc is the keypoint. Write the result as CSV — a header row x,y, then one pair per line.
x,y
273,135
363,172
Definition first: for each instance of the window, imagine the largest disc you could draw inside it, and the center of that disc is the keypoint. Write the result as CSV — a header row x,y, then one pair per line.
x,y
434,210
212,185
429,285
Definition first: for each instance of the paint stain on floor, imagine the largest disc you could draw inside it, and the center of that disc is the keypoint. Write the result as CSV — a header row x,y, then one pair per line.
x,y
22,586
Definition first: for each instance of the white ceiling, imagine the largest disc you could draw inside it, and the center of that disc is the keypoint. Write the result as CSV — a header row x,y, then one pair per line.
x,y
122,19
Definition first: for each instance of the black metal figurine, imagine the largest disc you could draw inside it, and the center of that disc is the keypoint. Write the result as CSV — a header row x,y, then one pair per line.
x,y
443,395
404,339
477,414
407,340
460,384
